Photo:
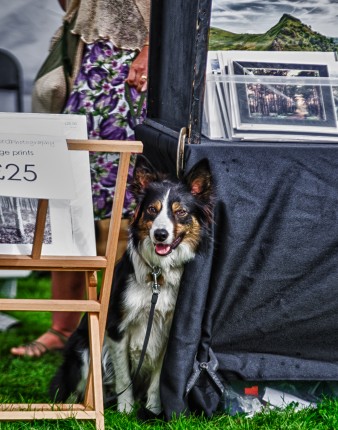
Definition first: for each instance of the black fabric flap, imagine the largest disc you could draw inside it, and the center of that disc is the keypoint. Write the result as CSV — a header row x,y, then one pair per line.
x,y
160,148
265,298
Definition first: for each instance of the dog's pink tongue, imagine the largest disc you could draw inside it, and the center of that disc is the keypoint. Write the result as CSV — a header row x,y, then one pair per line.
x,y
162,249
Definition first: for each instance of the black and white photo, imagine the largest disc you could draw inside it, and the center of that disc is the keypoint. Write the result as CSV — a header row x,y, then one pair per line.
x,y
272,104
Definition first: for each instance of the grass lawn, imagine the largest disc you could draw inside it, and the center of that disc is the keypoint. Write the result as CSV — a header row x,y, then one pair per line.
x,y
26,380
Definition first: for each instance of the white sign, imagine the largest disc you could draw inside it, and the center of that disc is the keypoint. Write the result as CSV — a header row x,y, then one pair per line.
x,y
70,223
35,166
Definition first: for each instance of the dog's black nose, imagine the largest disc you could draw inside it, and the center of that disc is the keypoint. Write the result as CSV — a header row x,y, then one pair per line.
x,y
161,234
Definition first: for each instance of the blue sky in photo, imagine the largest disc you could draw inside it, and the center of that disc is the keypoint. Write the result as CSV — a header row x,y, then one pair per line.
x,y
243,16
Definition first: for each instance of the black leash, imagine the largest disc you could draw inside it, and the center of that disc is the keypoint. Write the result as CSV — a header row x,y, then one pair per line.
x,y
156,291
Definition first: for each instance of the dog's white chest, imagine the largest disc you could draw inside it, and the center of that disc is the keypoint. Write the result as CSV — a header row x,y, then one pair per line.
x,y
137,306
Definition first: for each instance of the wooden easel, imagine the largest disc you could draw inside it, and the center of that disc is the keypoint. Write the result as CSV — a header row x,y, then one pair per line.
x,y
97,307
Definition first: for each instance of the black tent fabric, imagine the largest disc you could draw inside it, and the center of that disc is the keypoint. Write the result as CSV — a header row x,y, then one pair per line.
x,y
264,299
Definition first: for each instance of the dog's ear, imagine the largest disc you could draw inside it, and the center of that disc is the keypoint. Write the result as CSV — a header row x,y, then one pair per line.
x,y
199,179
144,174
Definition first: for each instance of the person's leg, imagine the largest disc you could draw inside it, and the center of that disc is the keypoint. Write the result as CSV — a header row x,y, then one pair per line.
x,y
102,227
65,285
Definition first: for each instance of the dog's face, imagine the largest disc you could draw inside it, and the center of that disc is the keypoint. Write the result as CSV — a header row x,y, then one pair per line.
x,y
172,216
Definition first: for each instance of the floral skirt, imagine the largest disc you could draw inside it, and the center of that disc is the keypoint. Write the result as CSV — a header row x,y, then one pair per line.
x,y
99,93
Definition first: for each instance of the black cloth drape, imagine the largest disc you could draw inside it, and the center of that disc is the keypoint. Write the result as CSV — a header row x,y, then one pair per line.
x,y
264,298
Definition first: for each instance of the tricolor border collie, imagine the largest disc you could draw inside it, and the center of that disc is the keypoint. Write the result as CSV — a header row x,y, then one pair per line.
x,y
170,225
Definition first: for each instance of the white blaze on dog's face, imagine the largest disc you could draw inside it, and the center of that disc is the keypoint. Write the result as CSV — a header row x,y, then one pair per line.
x,y
162,228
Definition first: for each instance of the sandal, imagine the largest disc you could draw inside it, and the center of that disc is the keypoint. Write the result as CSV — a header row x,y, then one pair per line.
x,y
38,348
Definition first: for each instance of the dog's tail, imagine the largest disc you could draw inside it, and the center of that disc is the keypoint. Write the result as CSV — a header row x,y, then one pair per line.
x,y
69,380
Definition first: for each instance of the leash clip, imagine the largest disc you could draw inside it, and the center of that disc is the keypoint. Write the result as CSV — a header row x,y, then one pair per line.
x,y
155,273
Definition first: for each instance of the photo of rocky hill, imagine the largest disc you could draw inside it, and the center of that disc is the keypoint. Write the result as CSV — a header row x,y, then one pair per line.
x,y
289,34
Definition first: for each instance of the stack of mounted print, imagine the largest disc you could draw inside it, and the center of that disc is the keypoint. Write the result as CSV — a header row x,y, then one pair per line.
x,y
271,96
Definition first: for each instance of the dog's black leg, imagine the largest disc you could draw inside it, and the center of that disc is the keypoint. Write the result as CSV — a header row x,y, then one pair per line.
x,y
70,378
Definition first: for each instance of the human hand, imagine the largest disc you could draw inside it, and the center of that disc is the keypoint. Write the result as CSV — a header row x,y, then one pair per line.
x,y
138,73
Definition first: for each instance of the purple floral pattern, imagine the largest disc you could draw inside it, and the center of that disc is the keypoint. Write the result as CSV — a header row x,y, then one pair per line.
x,y
99,93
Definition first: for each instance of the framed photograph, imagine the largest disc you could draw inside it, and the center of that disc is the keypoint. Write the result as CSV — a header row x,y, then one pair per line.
x,y
269,103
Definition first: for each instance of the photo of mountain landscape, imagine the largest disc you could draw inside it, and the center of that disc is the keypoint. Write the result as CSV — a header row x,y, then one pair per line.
x,y
267,25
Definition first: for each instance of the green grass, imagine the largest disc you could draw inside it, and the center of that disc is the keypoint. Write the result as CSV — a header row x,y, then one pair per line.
x,y
26,380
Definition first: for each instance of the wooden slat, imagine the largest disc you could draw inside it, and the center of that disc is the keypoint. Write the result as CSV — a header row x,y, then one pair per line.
x,y
106,145
91,285
22,262
95,370
43,407
112,240
39,227
46,415
32,411
49,305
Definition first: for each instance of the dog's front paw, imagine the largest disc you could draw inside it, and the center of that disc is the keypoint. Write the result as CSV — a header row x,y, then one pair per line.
x,y
154,408
125,407
125,403
153,402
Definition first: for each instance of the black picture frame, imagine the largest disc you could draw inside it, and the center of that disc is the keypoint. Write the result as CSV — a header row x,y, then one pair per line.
x,y
264,105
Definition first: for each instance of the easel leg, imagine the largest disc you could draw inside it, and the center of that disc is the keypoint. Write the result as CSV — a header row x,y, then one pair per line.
x,y
91,289
95,369
94,394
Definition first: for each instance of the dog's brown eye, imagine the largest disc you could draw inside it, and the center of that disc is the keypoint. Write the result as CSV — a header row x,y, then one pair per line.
x,y
152,210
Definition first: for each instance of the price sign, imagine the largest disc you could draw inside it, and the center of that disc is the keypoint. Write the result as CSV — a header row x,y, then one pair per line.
x,y
35,166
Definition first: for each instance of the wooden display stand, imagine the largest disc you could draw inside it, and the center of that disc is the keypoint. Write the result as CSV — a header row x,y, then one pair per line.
x,y
97,307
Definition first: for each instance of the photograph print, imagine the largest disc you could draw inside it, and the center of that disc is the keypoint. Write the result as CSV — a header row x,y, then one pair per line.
x,y
270,25
17,221
271,104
